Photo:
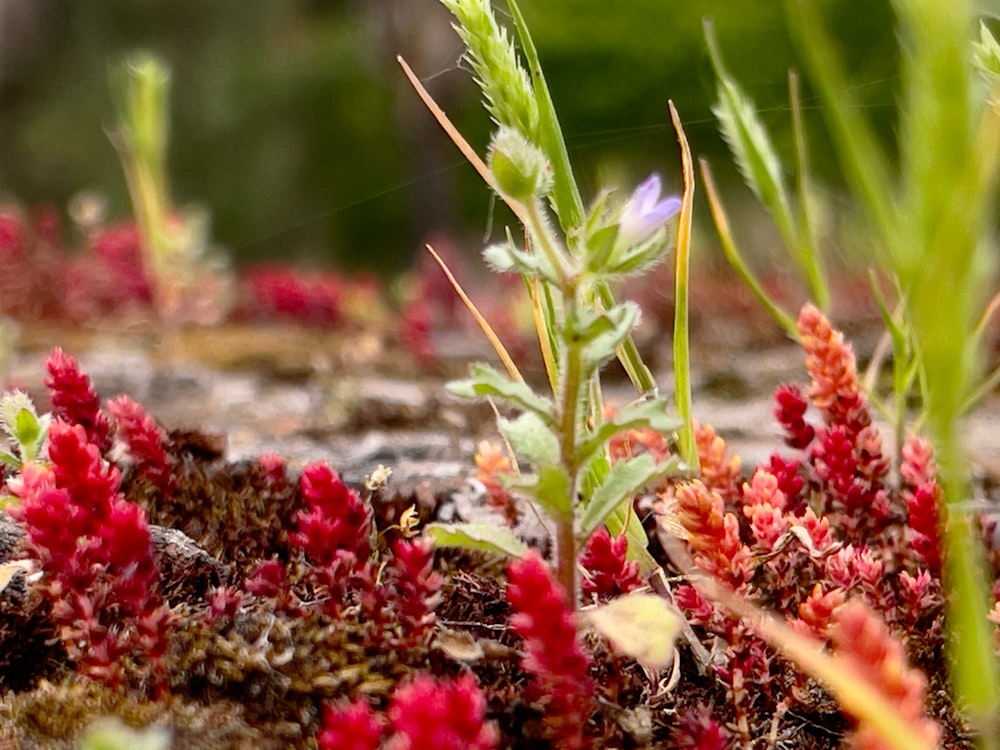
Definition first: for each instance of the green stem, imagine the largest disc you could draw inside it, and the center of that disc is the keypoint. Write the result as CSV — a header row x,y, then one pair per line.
x,y
569,416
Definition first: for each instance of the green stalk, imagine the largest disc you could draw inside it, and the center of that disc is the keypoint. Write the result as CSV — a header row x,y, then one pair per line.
x,y
571,397
807,240
735,258
688,447
566,195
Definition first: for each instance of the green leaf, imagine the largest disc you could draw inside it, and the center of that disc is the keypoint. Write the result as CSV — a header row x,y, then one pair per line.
x,y
624,480
550,488
605,332
565,194
642,626
641,257
11,460
623,521
479,535
531,438
503,257
645,413
486,381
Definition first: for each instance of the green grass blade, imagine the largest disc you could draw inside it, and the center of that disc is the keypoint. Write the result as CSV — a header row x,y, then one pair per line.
x,y
565,193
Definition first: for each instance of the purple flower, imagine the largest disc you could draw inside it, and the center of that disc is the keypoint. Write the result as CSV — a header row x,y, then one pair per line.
x,y
645,213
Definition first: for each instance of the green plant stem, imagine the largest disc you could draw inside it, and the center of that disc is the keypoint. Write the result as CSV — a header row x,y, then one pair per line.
x,y
571,393
572,383
735,258
807,241
541,234
688,445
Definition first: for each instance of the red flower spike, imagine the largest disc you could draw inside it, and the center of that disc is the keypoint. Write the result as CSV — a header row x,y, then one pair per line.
x,y
714,535
790,481
428,713
629,443
697,730
96,551
336,519
924,503
268,579
553,651
851,468
718,472
224,603
699,610
413,588
272,292
836,390
817,610
763,504
274,468
74,399
145,441
865,643
608,573
817,528
919,593
790,410
353,726
416,325
917,467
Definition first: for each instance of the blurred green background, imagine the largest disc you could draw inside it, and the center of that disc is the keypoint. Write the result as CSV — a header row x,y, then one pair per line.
x,y
292,123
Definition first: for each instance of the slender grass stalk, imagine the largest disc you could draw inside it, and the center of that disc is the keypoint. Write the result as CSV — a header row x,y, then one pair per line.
x,y
481,321
735,258
141,141
808,251
688,446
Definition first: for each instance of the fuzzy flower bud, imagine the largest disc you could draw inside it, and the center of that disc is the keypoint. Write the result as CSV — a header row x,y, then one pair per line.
x,y
519,167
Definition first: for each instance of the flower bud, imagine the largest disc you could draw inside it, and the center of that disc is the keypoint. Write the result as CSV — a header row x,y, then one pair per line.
x,y
519,167
645,213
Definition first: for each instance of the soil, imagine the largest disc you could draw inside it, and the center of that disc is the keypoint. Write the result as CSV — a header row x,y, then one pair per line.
x,y
230,395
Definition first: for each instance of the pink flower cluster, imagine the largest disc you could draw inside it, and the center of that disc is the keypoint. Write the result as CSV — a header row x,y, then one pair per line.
x,y
279,293
818,533
145,442
74,399
425,713
553,653
608,572
95,549
335,533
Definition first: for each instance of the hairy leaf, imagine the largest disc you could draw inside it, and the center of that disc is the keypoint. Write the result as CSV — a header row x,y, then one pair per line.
x,y
531,438
486,381
645,413
550,488
479,535
624,480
